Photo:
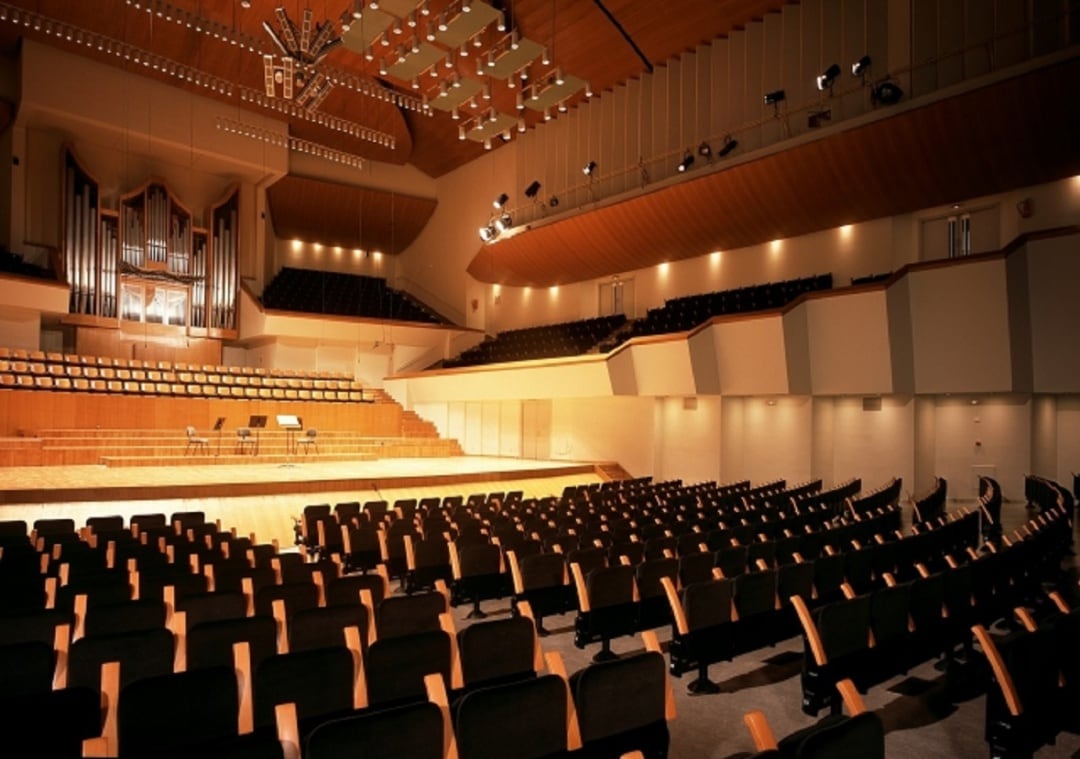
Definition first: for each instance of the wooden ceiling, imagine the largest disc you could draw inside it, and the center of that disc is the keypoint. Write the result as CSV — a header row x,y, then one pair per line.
x,y
345,215
577,31
920,158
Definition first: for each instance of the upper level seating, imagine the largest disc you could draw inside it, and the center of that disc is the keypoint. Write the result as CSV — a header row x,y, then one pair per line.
x,y
685,313
12,263
26,369
325,292
549,341
871,279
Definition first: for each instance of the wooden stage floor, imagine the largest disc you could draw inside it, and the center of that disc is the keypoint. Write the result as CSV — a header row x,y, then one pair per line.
x,y
263,498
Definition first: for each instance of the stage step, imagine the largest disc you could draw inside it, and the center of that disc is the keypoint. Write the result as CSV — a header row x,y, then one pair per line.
x,y
612,471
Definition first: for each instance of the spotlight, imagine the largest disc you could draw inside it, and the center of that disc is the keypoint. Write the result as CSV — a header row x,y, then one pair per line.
x,y
861,66
503,223
687,161
704,150
500,201
828,77
886,92
488,233
533,189
729,146
553,201
774,97
589,168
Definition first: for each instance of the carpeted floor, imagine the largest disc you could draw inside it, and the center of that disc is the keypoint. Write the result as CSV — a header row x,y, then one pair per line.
x,y
922,717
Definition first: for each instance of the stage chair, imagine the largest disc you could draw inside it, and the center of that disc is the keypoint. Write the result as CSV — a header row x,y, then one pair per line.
x,y
861,734
395,668
427,560
245,441
478,575
757,608
499,651
704,617
837,644
534,716
210,644
195,442
141,654
418,731
319,681
625,705
346,590
542,581
324,627
608,602
398,616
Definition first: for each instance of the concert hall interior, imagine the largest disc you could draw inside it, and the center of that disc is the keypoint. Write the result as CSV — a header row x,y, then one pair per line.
x,y
721,356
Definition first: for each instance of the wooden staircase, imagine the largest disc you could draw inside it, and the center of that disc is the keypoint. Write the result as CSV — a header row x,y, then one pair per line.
x,y
611,471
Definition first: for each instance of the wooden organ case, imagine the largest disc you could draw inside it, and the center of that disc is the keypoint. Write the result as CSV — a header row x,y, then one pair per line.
x,y
147,262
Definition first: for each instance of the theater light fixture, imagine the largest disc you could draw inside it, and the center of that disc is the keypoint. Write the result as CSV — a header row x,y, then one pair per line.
x,y
886,92
488,233
775,97
705,150
828,77
589,168
533,189
861,66
687,161
729,146
503,223
500,201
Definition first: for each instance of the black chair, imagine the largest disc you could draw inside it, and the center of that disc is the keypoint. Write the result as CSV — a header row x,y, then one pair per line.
x,y
478,576
530,716
141,654
346,590
653,608
621,707
415,731
541,580
192,713
394,668
129,616
296,596
704,629
837,641
319,681
210,644
405,615
497,651
607,597
755,604
324,627
212,607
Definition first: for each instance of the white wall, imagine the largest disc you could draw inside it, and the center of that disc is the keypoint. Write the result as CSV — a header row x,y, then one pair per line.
x,y
604,429
688,438
874,445
995,434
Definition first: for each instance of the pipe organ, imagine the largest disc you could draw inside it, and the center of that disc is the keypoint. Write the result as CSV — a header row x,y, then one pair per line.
x,y
147,261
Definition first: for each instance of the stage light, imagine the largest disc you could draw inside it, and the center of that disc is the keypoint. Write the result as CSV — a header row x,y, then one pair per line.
x,y
887,92
488,233
729,145
704,150
503,223
861,66
500,201
589,168
826,79
774,97
533,189
553,201
687,161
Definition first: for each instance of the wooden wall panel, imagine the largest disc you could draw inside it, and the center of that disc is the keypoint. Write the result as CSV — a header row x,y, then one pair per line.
x,y
27,412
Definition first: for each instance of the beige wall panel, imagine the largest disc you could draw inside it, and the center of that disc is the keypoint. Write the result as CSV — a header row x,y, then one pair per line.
x,y
849,344
750,356
1053,274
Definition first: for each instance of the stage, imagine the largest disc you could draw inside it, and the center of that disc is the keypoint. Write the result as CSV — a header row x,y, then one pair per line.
x,y
263,498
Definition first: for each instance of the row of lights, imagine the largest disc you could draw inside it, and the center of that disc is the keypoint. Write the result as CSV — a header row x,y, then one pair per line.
x,y
337,77
885,92
500,222
108,45
183,72
296,144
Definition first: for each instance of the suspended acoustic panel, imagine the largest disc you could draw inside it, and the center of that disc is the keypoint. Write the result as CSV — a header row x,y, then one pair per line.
x,y
916,159
351,217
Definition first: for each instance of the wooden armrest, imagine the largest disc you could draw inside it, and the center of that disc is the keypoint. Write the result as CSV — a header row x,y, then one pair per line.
x,y
850,696
352,642
178,625
582,588
677,612
288,730
652,643
455,561
525,610
61,645
446,622
245,720
1025,618
760,732
556,666
410,555
813,638
1059,602
106,744
847,590
436,693
890,581
515,572
1001,674
281,625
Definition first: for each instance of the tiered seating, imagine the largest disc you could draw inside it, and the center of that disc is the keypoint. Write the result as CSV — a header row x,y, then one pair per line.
x,y
250,642
871,279
685,313
39,370
549,341
325,292
931,506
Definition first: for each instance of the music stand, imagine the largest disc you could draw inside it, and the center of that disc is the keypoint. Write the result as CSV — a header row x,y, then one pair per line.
x,y
290,423
218,426
257,422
